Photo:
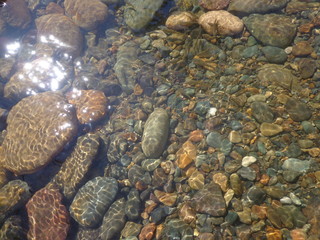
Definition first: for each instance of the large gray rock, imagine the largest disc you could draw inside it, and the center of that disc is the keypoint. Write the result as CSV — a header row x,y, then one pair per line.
x,y
139,13
155,133
245,7
271,29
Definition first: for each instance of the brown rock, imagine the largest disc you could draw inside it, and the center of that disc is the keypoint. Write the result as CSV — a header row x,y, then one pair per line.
x,y
302,48
220,22
16,13
86,14
91,105
48,217
214,4
181,21
186,154
187,213
168,199
270,129
273,234
147,232
196,180
222,180
298,234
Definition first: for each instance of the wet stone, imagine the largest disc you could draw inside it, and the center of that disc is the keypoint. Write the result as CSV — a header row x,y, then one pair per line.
x,y
275,192
271,29
307,67
245,216
159,177
214,139
298,110
75,167
132,207
214,5
202,108
37,121
291,176
87,233
13,195
91,105
176,228
210,200
196,180
222,180
248,160
236,184
93,200
296,165
247,173
168,199
148,231
12,229
255,195
16,14
150,164
131,229
114,220
47,215
274,54
135,174
301,49
270,129
186,154
262,112
155,133
159,214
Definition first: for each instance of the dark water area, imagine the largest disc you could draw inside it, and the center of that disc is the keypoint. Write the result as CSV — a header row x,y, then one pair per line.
x,y
167,119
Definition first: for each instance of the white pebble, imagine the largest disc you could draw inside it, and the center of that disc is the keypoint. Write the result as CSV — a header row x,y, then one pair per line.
x,y
295,199
248,160
286,200
212,111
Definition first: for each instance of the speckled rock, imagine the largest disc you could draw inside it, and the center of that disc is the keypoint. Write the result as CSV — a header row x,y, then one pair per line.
x,y
139,13
67,36
155,134
86,14
214,4
209,200
181,21
91,105
48,217
245,7
12,229
271,29
298,110
40,75
262,112
16,14
43,124
177,227
131,229
132,207
279,76
220,22
13,195
114,220
93,200
75,167
88,233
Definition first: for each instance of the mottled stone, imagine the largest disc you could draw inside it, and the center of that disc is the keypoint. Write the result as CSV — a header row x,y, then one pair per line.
x,y
93,200
196,180
131,229
177,227
220,22
262,112
91,105
12,229
275,192
270,129
38,128
13,195
255,195
298,110
302,49
214,4
88,233
271,29
245,7
168,199
114,220
279,76
186,154
132,207
222,180
40,75
48,217
234,137
88,14
159,178
187,213
16,14
236,184
148,231
3,177
210,200
307,67
245,216
155,134
65,36
139,13
293,164
150,164
274,54
181,21
75,167
247,173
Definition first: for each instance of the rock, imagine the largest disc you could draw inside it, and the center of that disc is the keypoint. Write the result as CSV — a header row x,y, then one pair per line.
x,y
302,49
187,213
126,55
75,167
296,165
114,220
220,22
214,139
13,195
298,110
248,160
12,229
214,4
300,6
155,134
93,200
168,199
131,229
67,36
38,128
186,155
270,129
262,112
307,67
181,21
138,13
41,75
271,29
176,227
132,207
274,54
88,233
16,14
209,200
246,7
247,173
91,105
279,76
87,15
222,180
196,180
235,137
255,195
236,184
147,231
47,215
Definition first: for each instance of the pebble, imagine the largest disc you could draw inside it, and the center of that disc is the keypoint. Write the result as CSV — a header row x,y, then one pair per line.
x,y
248,160
298,110
234,137
296,165
255,195
186,155
247,173
262,112
236,184
132,206
270,129
274,54
147,231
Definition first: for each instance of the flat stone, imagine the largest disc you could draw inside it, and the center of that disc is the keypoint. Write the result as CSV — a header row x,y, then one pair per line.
x,y
186,154
210,200
301,49
222,180
298,110
262,112
196,180
270,129
16,14
296,165
248,160
274,54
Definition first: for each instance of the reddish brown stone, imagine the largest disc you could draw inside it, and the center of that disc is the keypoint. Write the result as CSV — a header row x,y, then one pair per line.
x,y
298,234
91,105
48,217
186,154
187,214
302,48
147,231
